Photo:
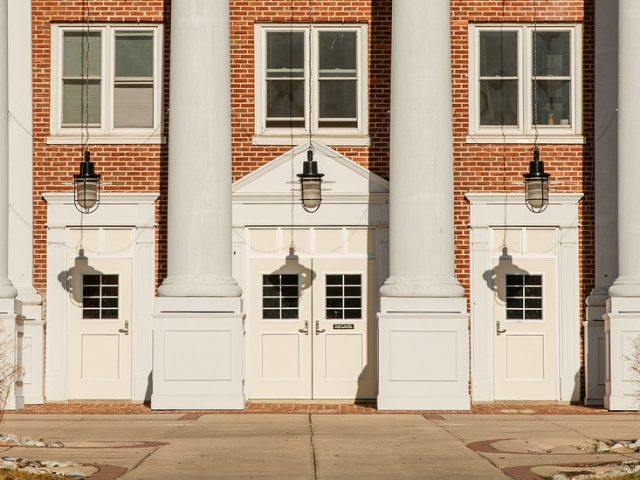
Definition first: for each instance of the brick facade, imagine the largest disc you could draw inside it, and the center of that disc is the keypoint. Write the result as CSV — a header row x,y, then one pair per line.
x,y
477,167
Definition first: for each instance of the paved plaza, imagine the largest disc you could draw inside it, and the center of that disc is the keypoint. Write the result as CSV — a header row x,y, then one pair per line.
x,y
203,445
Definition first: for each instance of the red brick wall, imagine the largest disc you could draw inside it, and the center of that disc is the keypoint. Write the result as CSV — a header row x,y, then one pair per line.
x,y
136,168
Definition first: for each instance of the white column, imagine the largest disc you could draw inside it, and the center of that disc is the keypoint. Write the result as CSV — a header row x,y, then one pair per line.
x,y
606,178
622,321
423,331
198,347
7,290
199,236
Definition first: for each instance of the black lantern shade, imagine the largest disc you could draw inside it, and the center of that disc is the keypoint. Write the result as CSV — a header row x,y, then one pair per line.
x,y
536,185
86,186
310,184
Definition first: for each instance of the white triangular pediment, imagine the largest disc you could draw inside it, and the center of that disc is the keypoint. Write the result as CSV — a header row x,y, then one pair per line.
x,y
342,177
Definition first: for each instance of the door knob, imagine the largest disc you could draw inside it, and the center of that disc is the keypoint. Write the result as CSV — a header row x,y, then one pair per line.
x,y
305,330
318,329
125,330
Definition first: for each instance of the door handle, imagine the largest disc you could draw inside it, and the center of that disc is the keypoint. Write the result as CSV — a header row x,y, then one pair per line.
x,y
305,330
318,329
498,329
125,330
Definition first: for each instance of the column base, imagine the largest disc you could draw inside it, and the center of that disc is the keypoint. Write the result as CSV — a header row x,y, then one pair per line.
x,y
594,346
12,331
199,286
622,340
421,287
198,354
423,354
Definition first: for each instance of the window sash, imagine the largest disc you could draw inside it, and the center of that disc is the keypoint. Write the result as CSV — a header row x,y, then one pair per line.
x,y
312,74
112,88
567,124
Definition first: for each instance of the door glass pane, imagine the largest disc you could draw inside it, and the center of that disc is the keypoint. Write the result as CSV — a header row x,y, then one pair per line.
x,y
280,296
100,296
499,102
134,54
553,102
343,303
524,297
498,54
553,54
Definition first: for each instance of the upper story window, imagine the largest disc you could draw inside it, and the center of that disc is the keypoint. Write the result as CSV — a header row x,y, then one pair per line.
x,y
311,78
524,78
108,80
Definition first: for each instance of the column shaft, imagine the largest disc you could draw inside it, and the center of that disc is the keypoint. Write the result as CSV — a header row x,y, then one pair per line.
x,y
6,287
199,237
421,171
628,282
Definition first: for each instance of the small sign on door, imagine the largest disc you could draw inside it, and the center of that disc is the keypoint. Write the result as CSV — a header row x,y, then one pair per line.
x,y
343,326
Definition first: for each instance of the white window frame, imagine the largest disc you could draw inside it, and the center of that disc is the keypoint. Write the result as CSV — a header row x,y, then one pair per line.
x,y
329,136
525,132
106,133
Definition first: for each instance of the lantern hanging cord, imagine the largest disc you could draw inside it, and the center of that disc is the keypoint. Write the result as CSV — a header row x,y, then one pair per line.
x,y
309,66
535,75
85,90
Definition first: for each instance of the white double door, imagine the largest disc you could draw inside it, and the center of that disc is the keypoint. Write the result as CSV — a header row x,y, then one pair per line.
x,y
310,329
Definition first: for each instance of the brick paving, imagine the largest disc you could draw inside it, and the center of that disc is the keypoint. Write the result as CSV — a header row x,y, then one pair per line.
x,y
106,407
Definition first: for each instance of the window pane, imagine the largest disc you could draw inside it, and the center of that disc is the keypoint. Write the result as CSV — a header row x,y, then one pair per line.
x,y
133,106
553,54
77,49
285,50
285,99
74,103
338,53
554,102
499,102
498,54
134,55
338,99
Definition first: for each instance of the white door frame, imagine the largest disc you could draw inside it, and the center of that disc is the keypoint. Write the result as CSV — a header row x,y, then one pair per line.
x,y
509,210
129,210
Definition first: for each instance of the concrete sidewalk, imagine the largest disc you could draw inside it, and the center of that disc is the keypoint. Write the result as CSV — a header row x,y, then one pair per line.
x,y
323,446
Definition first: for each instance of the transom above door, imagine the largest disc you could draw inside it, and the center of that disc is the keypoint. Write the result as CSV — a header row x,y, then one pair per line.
x,y
310,328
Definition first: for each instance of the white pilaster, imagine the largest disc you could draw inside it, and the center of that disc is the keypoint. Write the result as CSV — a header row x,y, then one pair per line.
x,y
606,178
423,309
198,349
622,321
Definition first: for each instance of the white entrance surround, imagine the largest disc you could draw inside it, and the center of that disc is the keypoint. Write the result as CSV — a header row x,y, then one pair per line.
x,y
502,210
123,210
622,320
423,323
198,332
350,226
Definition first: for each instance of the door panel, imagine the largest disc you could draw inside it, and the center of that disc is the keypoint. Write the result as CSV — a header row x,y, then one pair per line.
x,y
278,331
99,329
525,340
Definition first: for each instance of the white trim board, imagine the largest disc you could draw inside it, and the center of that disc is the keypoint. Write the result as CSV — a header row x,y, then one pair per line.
x,y
490,210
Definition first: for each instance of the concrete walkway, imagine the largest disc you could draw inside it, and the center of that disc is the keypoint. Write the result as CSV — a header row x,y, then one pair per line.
x,y
323,446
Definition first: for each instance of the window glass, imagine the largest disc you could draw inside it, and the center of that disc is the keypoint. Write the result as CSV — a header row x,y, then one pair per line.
x,y
552,62
343,296
499,102
280,296
498,54
100,296
338,82
285,79
81,95
524,297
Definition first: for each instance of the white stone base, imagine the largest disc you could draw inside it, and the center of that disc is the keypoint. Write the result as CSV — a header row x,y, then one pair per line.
x,y
621,329
594,357
423,354
198,353
11,323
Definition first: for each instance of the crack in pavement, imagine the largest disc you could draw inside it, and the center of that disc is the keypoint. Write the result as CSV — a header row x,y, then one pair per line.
x,y
313,449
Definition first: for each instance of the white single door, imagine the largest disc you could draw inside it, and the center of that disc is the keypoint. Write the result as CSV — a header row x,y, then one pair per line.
x,y
344,335
525,335
99,330
279,328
